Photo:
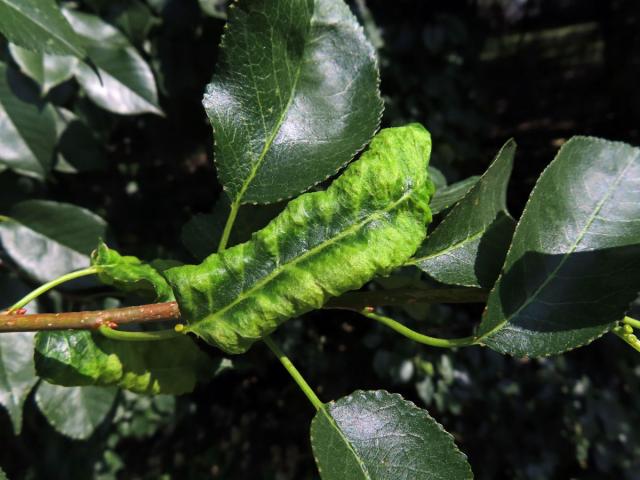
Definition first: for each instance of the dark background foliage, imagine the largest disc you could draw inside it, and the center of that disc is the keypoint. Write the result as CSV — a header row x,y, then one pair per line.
x,y
475,73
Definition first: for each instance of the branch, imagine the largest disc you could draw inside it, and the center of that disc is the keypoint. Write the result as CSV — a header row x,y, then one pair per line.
x,y
157,312
404,296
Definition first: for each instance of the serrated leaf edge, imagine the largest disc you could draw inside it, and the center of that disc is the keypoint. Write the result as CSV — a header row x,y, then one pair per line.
x,y
526,208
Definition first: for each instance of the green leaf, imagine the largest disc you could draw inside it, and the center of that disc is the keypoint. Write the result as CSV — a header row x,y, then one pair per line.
x,y
130,274
78,148
437,177
368,222
47,70
39,26
3,476
135,19
48,239
80,358
378,435
27,128
452,194
469,246
75,412
294,96
17,374
126,84
574,263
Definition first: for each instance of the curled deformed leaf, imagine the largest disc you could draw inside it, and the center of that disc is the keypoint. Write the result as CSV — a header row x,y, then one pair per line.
x,y
294,97
378,435
130,274
81,358
368,222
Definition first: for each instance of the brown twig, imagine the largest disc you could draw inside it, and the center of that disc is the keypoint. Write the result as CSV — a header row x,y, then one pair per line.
x,y
156,312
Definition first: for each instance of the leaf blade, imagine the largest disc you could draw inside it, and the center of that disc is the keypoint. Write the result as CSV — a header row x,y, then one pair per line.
x,y
310,104
17,374
480,221
572,269
75,411
39,26
59,237
380,435
369,221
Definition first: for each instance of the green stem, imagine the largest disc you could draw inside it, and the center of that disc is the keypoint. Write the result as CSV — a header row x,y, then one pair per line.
x,y
156,336
418,337
4,218
631,321
52,284
235,206
627,337
295,374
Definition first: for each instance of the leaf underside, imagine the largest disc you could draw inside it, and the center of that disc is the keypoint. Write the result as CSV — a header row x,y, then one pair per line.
x,y
572,269
381,436
294,97
369,221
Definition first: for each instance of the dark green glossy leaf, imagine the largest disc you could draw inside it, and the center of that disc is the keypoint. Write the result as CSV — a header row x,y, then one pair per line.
x,y
47,70
130,274
573,266
39,26
135,19
27,128
17,374
78,148
126,84
450,195
48,239
77,411
469,246
381,436
80,358
294,96
201,235
368,222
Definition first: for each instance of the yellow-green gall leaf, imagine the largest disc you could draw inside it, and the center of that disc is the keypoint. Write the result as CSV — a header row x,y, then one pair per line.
x,y
130,274
81,358
368,222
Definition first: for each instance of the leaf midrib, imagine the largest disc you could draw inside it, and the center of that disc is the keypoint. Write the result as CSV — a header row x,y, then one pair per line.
x,y
350,446
310,252
70,46
455,246
565,257
276,127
